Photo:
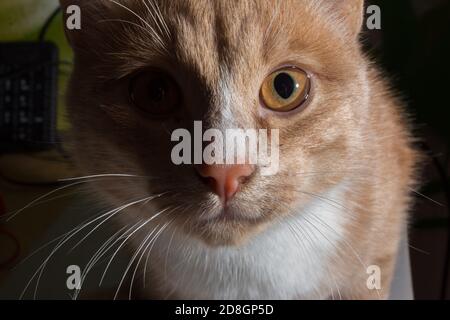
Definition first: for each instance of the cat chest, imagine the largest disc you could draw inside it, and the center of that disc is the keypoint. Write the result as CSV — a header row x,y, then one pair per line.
x,y
288,261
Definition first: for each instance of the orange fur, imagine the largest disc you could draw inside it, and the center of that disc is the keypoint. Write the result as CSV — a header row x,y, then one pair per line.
x,y
353,129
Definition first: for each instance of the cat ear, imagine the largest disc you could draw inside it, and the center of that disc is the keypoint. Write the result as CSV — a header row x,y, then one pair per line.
x,y
350,13
80,20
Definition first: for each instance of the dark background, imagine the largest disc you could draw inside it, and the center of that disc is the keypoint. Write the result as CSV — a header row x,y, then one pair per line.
x,y
413,47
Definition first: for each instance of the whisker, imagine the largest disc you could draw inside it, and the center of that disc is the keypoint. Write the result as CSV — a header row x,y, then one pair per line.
x,y
75,231
135,227
49,243
330,276
142,254
153,16
126,239
334,203
126,22
155,34
113,213
160,17
369,175
15,213
115,175
309,242
150,250
326,200
131,262
95,257
344,241
167,255
151,242
418,249
167,252
426,197
38,250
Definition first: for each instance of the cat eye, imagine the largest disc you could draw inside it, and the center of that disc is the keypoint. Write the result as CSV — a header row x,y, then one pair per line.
x,y
154,92
285,89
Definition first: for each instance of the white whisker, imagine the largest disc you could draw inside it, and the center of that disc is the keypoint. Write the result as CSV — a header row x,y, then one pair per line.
x,y
127,22
113,213
345,242
152,241
14,214
75,231
160,19
155,34
126,239
102,176
95,257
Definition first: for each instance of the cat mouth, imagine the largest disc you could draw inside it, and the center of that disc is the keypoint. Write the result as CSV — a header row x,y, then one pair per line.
x,y
229,226
228,214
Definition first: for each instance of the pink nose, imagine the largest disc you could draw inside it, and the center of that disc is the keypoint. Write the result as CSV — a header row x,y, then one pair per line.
x,y
224,180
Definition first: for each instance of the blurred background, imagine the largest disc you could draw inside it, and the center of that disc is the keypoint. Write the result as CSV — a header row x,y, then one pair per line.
x,y
413,47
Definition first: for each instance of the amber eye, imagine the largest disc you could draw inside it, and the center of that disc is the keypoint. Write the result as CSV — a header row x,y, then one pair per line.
x,y
155,93
285,89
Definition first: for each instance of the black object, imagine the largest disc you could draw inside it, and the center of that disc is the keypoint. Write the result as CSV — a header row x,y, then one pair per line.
x,y
47,24
28,95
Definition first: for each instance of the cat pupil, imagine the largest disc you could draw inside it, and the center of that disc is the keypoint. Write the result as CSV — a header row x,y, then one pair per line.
x,y
284,85
157,90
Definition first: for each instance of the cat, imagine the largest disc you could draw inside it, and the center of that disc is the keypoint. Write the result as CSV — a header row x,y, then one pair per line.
x,y
340,199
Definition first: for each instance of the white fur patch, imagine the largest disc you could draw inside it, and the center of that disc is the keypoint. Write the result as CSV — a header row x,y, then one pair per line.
x,y
275,264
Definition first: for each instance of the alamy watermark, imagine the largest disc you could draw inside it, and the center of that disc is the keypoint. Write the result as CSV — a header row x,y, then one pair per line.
x,y
373,21
73,281
374,279
73,21
236,146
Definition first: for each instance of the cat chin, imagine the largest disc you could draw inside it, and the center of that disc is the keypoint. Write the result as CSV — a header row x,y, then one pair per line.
x,y
225,232
231,226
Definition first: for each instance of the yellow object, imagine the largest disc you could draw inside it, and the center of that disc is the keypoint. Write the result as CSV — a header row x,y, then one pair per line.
x,y
14,25
22,20
37,168
24,177
285,89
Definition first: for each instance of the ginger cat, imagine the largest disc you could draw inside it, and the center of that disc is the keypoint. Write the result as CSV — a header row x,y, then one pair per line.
x,y
339,201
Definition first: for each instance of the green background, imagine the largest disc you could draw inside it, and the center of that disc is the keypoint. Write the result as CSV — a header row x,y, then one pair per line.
x,y
22,20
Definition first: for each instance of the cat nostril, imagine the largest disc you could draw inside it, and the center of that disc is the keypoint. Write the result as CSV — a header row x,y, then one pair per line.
x,y
225,180
207,181
210,182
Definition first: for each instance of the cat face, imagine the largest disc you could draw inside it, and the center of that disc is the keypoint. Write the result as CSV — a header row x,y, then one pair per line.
x,y
211,61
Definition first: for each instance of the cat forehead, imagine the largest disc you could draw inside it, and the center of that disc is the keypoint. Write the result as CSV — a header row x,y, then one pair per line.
x,y
234,28
225,23
208,36
213,35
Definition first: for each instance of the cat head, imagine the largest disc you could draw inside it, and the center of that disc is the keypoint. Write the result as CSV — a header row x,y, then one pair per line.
x,y
144,69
